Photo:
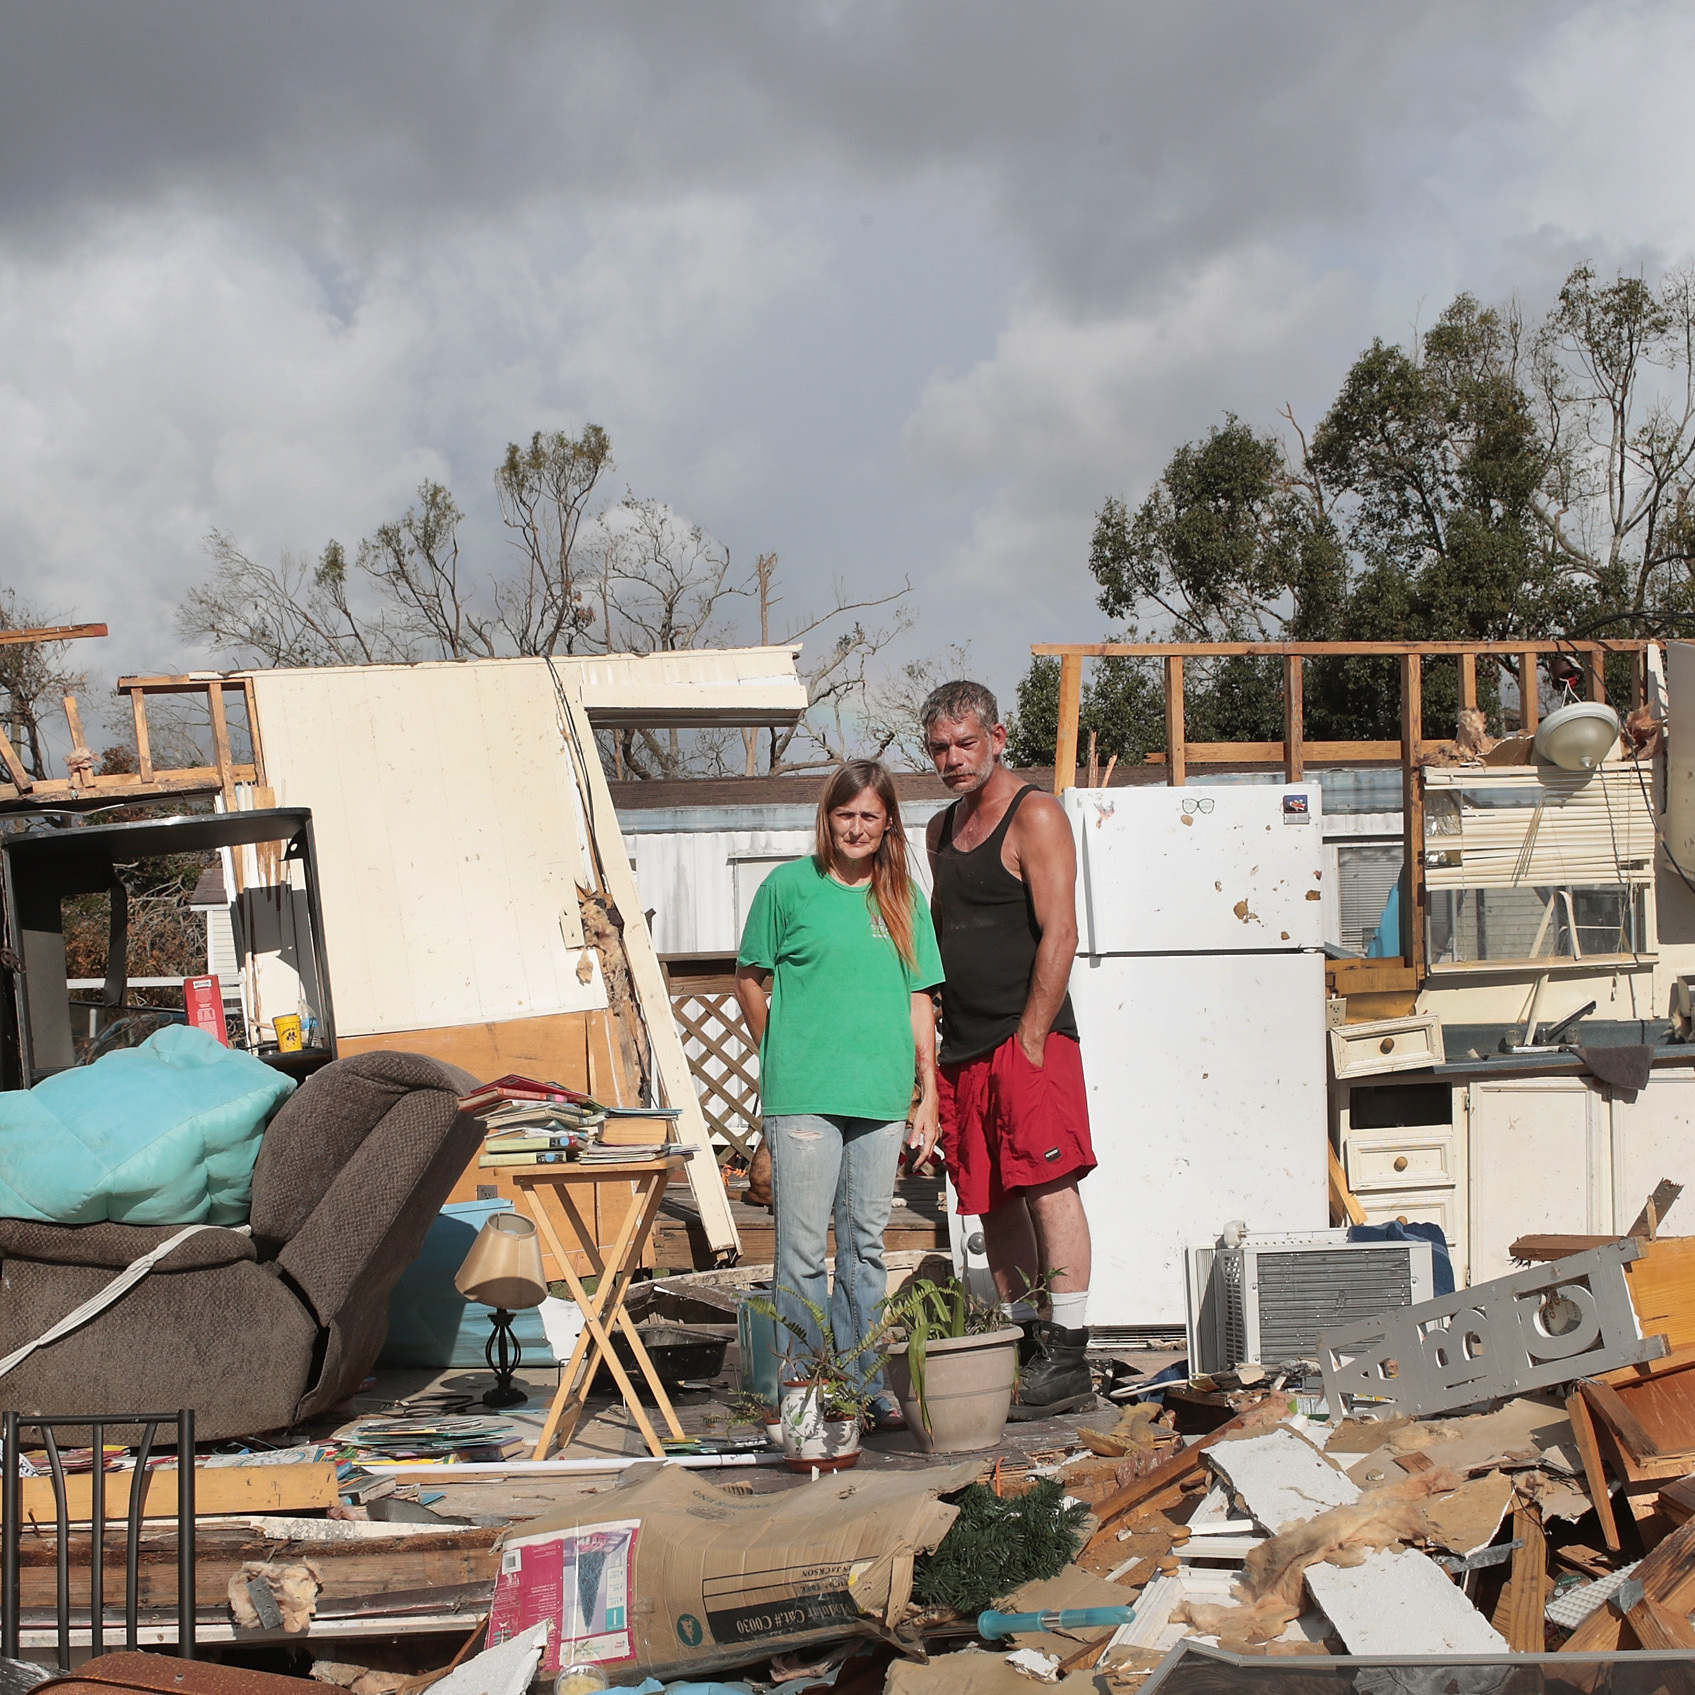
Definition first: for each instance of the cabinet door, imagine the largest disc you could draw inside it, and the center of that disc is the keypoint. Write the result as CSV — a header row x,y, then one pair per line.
x,y
1654,1137
1539,1162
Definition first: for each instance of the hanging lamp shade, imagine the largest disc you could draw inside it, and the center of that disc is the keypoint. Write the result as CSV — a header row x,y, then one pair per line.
x,y
503,1268
1578,737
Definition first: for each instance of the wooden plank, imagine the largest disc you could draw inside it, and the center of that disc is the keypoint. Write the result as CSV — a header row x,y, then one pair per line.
x,y
217,1489
253,734
1412,810
143,744
1070,711
1655,1208
1371,977
1468,681
1529,691
21,779
1594,665
221,743
80,759
51,633
1272,753
1309,650
1594,1470
1606,1403
1294,719
1519,1616
1143,1489
1176,750
1344,1205
648,978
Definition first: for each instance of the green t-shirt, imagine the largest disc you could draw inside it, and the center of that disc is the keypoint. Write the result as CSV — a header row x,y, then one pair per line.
x,y
840,1036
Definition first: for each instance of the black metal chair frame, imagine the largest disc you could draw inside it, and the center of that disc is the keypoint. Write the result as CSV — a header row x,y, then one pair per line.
x,y
11,1532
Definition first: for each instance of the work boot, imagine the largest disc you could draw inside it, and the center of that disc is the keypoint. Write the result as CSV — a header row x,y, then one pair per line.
x,y
1057,1379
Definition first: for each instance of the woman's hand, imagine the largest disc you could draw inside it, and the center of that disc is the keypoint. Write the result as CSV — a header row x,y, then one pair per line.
x,y
923,1130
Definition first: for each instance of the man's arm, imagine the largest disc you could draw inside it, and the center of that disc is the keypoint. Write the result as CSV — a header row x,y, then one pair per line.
x,y
753,996
925,1124
1047,861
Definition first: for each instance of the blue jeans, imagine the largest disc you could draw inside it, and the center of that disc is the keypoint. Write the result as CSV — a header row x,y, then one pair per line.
x,y
824,1167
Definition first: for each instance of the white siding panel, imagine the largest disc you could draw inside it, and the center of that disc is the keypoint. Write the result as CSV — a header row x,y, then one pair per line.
x,y
448,846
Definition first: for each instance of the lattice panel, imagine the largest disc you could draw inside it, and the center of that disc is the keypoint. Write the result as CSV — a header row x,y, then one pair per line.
x,y
725,1064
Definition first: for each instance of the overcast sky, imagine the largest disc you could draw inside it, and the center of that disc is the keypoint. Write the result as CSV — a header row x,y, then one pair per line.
x,y
890,289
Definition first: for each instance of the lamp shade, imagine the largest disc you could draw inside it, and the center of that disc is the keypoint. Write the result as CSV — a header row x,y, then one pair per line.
x,y
503,1268
1578,737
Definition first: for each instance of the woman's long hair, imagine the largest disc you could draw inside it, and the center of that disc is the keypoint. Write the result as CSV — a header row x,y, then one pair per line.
x,y
892,887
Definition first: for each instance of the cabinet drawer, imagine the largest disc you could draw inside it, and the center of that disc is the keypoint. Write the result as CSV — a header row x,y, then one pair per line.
x,y
1404,1163
1422,1206
1386,1044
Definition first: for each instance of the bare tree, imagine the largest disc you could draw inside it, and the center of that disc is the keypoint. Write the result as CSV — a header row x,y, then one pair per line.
x,y
663,581
544,492
1614,372
414,561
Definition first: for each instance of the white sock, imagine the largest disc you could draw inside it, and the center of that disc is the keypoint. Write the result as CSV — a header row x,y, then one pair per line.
x,y
1020,1312
1071,1309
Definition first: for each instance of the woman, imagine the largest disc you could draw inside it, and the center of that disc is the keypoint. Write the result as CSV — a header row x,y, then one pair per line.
x,y
844,939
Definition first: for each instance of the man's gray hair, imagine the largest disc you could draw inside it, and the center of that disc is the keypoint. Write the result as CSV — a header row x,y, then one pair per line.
x,y
956,701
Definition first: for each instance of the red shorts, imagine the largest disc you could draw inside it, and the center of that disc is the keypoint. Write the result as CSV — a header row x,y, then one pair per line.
x,y
1008,1124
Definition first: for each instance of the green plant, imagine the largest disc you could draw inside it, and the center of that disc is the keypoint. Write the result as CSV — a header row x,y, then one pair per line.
x,y
746,1408
931,1312
997,1544
843,1375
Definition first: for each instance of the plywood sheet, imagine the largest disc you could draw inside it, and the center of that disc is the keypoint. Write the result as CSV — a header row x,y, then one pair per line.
x,y
447,835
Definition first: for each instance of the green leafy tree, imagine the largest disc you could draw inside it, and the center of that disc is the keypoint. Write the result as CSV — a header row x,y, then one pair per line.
x,y
1491,482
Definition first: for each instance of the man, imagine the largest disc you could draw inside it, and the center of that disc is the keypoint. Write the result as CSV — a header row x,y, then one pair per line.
x,y
1015,1119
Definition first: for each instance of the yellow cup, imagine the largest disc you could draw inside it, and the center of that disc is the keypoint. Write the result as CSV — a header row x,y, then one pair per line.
x,y
287,1027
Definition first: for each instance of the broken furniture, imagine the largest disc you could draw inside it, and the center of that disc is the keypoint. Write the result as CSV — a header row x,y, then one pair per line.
x,y
503,1270
1639,1424
280,927
12,1522
1544,1325
255,1331
551,1195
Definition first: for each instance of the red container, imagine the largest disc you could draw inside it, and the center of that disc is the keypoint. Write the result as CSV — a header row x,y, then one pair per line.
x,y
204,999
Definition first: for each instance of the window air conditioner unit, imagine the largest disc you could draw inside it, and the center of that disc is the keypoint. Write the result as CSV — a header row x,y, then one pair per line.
x,y
1269,1299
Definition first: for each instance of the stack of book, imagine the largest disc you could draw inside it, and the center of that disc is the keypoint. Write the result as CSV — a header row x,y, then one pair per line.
x,y
531,1123
630,1134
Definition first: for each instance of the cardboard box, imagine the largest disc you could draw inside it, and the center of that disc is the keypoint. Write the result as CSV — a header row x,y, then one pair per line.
x,y
675,1576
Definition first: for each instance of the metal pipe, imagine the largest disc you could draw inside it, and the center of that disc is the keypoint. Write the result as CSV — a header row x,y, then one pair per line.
x,y
132,1551
11,1509
97,1546
563,1468
62,1548
185,1534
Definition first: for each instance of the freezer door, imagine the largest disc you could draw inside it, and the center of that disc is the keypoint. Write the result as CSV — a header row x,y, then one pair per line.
x,y
1228,868
1206,1103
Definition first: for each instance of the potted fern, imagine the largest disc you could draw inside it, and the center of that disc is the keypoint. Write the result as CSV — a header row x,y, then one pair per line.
x,y
824,1389
955,1371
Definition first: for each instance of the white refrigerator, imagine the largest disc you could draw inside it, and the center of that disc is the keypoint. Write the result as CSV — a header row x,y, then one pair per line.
x,y
1199,993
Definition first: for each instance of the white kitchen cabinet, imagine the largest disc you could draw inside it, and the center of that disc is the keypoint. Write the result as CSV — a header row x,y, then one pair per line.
x,y
1654,1137
1540,1161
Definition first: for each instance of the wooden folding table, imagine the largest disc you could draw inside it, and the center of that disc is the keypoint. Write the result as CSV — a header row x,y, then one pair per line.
x,y
547,1191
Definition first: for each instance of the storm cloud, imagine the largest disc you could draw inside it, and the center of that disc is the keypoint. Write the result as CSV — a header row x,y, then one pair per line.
x,y
891,289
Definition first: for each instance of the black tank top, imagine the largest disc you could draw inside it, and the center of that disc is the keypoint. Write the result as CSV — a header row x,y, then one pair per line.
x,y
987,930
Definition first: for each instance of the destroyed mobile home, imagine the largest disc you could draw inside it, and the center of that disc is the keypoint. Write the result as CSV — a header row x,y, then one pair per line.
x,y
422,1224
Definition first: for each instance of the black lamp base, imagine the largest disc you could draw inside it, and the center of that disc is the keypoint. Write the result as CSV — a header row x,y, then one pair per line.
x,y
504,1355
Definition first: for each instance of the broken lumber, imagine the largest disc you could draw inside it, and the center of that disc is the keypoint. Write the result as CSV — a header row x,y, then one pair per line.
x,y
1518,1617
1142,1490
1667,1575
217,1489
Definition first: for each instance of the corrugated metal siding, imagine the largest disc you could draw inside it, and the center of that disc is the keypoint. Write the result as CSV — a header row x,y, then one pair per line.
x,y
698,883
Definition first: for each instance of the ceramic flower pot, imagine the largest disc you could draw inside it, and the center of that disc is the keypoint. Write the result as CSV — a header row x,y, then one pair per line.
x,y
809,1438
968,1383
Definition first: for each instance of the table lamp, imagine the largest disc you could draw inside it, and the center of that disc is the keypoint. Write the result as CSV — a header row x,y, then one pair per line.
x,y
503,1270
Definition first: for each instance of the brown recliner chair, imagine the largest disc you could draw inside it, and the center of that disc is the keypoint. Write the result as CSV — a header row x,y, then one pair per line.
x,y
253,1332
